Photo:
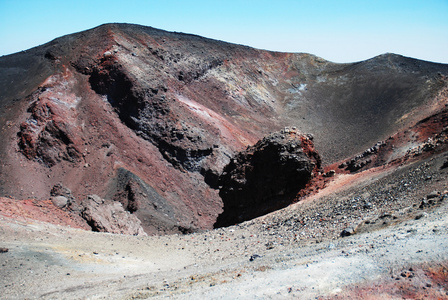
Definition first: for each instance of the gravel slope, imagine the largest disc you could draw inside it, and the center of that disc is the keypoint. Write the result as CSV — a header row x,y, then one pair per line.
x,y
275,256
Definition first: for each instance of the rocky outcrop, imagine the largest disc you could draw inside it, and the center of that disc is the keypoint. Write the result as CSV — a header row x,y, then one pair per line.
x,y
360,161
46,139
51,134
426,137
110,216
151,111
156,214
174,108
267,176
59,190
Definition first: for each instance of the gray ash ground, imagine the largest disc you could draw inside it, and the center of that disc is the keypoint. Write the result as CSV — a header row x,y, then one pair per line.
x,y
387,197
294,252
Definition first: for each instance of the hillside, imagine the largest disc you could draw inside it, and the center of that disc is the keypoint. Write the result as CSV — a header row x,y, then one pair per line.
x,y
138,163
150,118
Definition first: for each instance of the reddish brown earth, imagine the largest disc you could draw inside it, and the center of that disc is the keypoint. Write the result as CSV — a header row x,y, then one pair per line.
x,y
148,120
128,111
297,252
30,210
418,282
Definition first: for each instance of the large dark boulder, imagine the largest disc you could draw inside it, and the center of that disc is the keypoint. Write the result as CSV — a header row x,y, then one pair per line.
x,y
267,176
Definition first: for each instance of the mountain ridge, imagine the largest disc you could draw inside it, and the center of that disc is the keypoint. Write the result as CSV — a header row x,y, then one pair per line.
x,y
80,108
324,180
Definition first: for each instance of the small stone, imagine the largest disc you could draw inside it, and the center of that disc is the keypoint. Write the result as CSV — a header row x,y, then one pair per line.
x,y
95,198
330,173
254,257
269,245
424,204
445,165
59,201
368,205
433,194
348,232
421,215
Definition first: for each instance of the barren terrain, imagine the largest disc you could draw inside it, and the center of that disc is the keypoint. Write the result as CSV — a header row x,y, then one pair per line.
x,y
137,163
294,252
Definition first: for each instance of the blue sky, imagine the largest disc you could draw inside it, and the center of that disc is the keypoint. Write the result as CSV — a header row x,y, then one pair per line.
x,y
340,31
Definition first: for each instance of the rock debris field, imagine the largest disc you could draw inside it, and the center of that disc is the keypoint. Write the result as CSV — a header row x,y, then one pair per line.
x,y
139,163
395,248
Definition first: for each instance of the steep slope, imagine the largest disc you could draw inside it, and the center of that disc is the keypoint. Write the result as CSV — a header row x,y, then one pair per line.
x,y
148,117
398,252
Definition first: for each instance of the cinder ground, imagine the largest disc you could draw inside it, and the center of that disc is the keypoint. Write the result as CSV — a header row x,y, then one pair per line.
x,y
400,252
204,94
169,110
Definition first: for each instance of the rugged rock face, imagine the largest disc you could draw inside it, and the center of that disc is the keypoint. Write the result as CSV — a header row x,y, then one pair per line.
x,y
157,214
267,176
110,216
172,109
48,135
149,112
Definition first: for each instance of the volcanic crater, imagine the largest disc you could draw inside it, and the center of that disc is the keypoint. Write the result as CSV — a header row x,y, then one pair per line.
x,y
186,106
133,130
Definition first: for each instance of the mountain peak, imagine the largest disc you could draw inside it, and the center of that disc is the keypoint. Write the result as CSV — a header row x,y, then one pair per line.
x,y
140,115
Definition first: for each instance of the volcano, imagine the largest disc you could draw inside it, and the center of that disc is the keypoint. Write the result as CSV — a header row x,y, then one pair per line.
x,y
150,118
209,170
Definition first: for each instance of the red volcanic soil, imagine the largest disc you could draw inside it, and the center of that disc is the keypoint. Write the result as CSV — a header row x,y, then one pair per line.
x,y
150,118
176,133
31,210
427,281
422,140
